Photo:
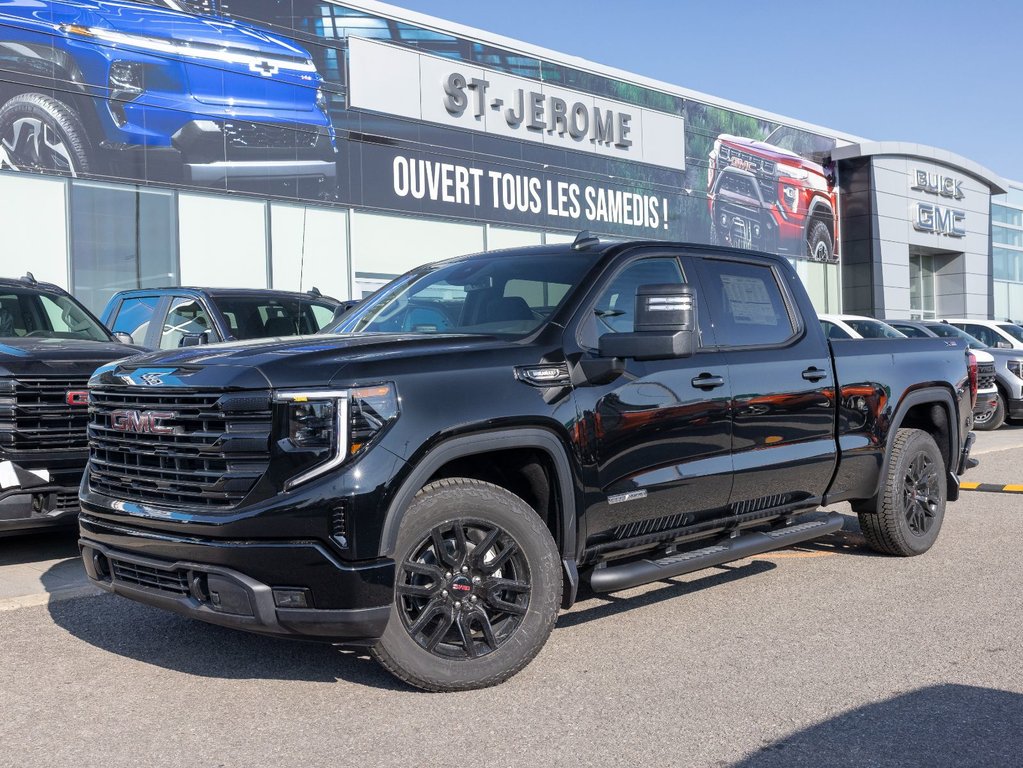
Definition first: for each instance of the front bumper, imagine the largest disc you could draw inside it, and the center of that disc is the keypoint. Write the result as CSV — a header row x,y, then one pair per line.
x,y
232,583
30,501
1014,408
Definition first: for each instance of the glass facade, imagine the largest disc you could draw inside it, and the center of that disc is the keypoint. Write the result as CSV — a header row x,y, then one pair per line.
x,y
122,237
1007,255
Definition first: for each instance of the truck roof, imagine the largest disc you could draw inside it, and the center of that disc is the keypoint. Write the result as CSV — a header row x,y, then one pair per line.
x,y
212,292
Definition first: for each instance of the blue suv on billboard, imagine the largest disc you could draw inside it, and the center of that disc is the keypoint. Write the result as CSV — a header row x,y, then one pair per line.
x,y
150,90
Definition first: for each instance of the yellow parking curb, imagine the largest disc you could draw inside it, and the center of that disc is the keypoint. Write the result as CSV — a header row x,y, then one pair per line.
x,y
991,487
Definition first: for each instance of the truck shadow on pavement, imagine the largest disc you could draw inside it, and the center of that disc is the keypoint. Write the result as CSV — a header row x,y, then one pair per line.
x,y
941,725
162,639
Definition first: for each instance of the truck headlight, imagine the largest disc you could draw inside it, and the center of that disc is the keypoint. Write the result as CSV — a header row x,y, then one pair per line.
x,y
1015,368
127,80
320,429
790,172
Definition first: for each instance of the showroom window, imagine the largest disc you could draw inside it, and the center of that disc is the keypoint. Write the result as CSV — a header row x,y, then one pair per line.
x,y
122,237
1007,255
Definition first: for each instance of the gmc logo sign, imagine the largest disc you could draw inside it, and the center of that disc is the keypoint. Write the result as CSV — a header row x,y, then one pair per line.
x,y
147,422
76,397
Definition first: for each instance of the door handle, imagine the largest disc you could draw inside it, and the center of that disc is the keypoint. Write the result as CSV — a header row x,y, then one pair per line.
x,y
707,381
813,373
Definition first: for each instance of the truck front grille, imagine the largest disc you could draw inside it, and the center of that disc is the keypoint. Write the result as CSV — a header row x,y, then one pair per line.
x,y
745,160
35,416
985,375
178,448
148,577
244,134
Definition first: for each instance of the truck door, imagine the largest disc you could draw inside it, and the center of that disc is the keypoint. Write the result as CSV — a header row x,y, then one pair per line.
x,y
657,438
783,447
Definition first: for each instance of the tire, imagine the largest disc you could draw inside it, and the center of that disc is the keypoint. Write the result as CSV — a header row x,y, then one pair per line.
x,y
819,245
462,620
63,145
901,524
994,419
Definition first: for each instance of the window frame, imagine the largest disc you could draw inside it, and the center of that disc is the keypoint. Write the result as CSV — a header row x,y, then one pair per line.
x,y
788,300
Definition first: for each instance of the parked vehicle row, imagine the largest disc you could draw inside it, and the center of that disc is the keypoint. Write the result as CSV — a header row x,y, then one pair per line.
x,y
999,367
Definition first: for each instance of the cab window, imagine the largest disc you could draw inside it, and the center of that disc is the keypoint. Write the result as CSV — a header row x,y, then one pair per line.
x,y
134,315
745,302
186,317
615,309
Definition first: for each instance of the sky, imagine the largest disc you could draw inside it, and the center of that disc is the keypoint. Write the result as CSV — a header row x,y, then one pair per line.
x,y
945,73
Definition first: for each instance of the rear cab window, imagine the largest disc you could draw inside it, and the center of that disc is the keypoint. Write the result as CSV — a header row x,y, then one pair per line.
x,y
746,303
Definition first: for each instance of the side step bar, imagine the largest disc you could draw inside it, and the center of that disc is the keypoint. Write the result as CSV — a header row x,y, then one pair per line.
x,y
617,577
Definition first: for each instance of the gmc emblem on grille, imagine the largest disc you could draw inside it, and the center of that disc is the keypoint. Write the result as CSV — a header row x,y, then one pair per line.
x,y
142,421
76,397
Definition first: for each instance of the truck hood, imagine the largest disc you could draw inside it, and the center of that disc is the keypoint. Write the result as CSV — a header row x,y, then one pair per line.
x,y
763,149
293,362
151,21
31,356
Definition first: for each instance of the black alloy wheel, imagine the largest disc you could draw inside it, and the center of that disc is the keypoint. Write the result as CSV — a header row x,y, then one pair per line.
x,y
906,516
921,496
478,584
464,589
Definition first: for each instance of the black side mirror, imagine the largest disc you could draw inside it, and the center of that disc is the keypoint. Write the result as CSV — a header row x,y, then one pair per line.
x,y
194,339
665,325
124,338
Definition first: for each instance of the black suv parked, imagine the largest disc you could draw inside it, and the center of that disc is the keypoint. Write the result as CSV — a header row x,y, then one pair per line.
x,y
485,433
49,346
168,318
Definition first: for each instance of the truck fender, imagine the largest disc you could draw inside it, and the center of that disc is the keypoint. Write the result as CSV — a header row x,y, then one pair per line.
x,y
936,396
484,442
820,206
469,445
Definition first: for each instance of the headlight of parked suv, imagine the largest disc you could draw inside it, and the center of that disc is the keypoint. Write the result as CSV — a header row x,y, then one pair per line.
x,y
1015,368
320,430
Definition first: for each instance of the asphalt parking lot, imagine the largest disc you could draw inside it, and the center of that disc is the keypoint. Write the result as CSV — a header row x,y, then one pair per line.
x,y
822,655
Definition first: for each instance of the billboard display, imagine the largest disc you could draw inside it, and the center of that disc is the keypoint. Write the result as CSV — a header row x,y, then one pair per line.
x,y
317,101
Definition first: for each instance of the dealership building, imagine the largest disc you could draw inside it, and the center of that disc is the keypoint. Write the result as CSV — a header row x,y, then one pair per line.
x,y
339,144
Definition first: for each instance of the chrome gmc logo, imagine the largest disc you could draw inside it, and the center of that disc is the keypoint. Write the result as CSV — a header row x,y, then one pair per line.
x,y
147,422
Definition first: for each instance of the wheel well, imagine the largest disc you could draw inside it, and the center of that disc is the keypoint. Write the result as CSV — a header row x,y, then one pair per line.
x,y
933,419
528,473
823,214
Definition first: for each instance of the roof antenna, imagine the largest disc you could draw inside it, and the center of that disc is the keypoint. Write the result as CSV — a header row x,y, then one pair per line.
x,y
30,278
584,240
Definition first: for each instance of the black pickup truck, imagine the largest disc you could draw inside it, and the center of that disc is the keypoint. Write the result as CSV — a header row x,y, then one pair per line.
x,y
485,434
49,347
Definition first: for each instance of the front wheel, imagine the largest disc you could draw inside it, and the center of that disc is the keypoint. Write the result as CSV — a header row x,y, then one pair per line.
x,y
477,588
43,135
907,515
819,244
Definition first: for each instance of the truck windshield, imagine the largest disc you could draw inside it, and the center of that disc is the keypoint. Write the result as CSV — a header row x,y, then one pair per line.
x,y
256,317
33,313
874,329
486,295
951,332
1013,330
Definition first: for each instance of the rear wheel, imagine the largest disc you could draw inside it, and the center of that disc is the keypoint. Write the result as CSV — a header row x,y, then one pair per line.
x,y
477,588
907,516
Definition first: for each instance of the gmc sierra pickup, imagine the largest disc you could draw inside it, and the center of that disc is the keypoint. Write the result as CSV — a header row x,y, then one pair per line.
x,y
49,346
438,476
